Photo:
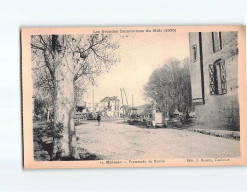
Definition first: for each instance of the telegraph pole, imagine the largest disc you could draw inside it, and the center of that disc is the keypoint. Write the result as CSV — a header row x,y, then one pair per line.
x,y
125,96
132,101
93,98
122,101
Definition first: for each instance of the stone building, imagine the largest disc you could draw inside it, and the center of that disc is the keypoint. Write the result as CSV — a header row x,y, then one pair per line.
x,y
110,106
92,107
214,78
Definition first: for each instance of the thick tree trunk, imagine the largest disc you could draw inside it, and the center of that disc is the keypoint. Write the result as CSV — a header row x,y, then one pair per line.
x,y
164,117
65,144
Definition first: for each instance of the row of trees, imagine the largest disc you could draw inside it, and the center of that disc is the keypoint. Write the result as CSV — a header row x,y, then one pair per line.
x,y
62,67
169,87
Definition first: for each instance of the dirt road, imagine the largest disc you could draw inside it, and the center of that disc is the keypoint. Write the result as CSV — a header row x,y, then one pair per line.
x,y
115,140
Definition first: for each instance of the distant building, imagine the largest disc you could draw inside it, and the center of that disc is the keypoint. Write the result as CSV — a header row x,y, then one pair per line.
x,y
214,78
110,106
92,107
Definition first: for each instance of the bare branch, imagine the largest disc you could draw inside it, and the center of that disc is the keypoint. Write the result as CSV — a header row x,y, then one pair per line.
x,y
36,47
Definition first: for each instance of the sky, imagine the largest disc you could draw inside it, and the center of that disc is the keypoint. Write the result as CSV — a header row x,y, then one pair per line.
x,y
140,55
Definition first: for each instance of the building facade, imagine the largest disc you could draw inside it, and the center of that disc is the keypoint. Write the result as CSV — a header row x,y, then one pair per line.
x,y
214,78
110,106
92,107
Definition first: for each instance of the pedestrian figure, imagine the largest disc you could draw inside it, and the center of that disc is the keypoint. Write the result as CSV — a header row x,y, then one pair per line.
x,y
98,118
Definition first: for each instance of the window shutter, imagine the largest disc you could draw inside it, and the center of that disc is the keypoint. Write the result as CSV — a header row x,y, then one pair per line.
x,y
212,79
223,77
217,78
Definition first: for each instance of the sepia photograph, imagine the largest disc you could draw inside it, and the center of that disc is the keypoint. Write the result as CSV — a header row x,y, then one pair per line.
x,y
123,96
133,96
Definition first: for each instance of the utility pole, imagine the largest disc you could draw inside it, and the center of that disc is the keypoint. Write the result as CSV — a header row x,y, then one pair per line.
x,y
122,101
121,96
126,109
125,97
93,98
132,101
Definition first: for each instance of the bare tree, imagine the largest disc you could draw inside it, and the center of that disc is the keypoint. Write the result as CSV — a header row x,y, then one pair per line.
x,y
169,87
43,91
67,58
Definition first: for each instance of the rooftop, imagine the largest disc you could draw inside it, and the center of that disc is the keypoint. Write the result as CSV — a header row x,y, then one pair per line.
x,y
107,99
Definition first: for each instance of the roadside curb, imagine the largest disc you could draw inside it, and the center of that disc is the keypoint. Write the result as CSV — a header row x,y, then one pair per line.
x,y
235,135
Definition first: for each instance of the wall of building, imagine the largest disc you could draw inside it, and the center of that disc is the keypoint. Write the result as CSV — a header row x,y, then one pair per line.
x,y
115,108
220,111
195,69
113,111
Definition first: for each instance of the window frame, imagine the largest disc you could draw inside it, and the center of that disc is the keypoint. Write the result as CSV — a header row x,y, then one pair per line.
x,y
194,49
217,78
216,49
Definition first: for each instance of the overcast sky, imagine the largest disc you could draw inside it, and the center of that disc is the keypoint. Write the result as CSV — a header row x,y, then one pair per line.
x,y
140,55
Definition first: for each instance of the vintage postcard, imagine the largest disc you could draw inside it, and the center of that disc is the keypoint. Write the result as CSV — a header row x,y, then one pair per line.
x,y
98,97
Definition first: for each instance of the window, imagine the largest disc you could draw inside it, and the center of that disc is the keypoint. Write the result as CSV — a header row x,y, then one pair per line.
x,y
217,44
217,74
194,50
